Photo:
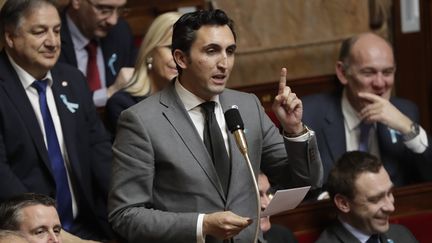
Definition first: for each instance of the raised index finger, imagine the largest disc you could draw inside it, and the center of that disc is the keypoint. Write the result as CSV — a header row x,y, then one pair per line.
x,y
282,81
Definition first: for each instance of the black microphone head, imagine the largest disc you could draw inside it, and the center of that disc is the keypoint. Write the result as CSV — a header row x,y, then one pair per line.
x,y
233,119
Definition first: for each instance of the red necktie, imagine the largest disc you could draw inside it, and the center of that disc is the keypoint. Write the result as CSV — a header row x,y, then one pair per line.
x,y
93,77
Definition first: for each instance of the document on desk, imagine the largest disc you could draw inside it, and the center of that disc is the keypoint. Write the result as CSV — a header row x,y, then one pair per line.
x,y
284,200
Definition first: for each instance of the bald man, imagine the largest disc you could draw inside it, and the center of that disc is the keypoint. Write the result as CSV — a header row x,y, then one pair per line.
x,y
363,115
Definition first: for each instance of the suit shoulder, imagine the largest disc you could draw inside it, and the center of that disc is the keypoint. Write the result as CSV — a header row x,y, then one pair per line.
x,y
321,99
400,233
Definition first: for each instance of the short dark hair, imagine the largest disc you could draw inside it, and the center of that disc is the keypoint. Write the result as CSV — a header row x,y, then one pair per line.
x,y
184,30
342,177
345,50
10,209
14,10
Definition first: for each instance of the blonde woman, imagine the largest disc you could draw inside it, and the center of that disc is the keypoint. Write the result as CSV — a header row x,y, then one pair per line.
x,y
155,67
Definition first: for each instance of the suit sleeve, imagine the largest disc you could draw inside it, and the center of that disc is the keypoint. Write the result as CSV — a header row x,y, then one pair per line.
x,y
131,213
293,164
10,184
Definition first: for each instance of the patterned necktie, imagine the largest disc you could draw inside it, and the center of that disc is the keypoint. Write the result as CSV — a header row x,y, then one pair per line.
x,y
373,239
93,77
364,136
63,194
215,145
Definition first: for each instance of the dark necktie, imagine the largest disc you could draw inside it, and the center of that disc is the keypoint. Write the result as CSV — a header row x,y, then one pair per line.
x,y
215,145
364,137
373,239
93,77
63,194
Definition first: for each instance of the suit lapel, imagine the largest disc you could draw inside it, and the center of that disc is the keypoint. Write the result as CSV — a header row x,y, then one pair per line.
x,y
178,117
334,136
67,118
15,91
67,46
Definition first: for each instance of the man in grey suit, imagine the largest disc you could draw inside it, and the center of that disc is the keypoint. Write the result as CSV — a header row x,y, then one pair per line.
x,y
165,185
361,190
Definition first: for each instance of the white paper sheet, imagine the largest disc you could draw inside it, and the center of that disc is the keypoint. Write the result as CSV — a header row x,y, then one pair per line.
x,y
284,200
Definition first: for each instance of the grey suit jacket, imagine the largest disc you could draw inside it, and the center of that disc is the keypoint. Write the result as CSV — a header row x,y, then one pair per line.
x,y
163,176
337,233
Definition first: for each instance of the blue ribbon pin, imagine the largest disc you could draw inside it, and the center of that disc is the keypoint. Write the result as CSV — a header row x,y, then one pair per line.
x,y
72,107
111,62
393,135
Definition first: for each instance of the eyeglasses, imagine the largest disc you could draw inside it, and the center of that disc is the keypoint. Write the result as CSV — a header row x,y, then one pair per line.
x,y
107,11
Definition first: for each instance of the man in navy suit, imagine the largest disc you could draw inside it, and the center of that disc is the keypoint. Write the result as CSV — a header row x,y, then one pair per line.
x,y
361,190
30,33
366,69
99,22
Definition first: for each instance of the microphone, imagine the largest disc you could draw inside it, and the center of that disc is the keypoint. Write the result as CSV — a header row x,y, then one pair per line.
x,y
235,126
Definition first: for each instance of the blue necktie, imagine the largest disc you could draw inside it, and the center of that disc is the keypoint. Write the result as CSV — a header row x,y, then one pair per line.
x,y
364,137
63,194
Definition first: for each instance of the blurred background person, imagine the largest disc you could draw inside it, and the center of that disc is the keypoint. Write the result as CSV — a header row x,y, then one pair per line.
x,y
155,67
272,233
365,116
99,42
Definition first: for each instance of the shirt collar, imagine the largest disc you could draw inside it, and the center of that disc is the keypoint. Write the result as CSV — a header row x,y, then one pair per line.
x,y
26,78
78,39
189,99
362,237
351,116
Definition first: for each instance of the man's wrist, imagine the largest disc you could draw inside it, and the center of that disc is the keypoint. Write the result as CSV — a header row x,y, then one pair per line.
x,y
414,132
304,130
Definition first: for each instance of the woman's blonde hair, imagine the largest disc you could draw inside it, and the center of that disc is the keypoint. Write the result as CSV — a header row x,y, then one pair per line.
x,y
159,31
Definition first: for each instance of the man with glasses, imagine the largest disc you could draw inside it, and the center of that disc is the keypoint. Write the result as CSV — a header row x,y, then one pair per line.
x,y
99,42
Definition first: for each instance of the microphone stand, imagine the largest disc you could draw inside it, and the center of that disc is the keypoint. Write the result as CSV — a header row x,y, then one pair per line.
x,y
241,143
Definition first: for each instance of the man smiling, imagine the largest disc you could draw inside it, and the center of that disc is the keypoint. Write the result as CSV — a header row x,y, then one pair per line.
x,y
361,190
52,140
363,115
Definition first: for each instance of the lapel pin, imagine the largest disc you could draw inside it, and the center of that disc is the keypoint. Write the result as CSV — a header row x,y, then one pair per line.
x,y
393,135
72,107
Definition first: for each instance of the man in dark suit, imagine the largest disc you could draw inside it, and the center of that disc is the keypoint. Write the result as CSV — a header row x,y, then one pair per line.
x,y
98,22
169,184
51,140
361,190
363,116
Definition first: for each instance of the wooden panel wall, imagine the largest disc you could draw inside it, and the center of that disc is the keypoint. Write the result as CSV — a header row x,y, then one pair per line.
x,y
143,12
413,52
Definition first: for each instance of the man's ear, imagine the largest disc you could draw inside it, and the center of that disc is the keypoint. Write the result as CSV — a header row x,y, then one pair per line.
x,y
341,203
341,72
8,39
180,58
